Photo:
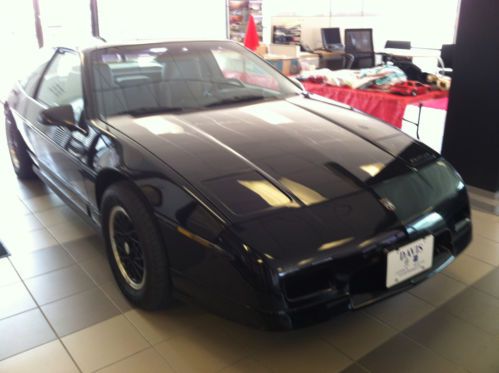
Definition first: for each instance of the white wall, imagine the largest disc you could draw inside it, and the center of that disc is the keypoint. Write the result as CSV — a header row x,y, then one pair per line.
x,y
65,21
426,23
155,19
18,40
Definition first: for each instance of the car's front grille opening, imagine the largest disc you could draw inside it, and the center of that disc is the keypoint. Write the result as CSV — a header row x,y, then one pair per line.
x,y
307,284
443,243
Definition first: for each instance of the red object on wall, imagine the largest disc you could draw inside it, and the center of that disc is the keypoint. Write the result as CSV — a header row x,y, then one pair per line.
x,y
251,40
385,106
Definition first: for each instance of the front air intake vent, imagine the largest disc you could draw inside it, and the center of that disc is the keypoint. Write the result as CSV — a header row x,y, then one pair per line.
x,y
307,284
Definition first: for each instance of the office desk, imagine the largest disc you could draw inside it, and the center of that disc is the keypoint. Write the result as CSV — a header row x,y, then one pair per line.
x,y
332,60
285,64
385,106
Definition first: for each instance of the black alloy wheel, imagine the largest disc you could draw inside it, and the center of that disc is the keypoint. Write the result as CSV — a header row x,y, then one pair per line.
x,y
135,248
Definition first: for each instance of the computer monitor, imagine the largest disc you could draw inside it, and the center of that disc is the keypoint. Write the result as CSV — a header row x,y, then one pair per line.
x,y
331,38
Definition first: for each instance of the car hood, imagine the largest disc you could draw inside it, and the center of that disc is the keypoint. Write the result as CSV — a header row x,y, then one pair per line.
x,y
281,162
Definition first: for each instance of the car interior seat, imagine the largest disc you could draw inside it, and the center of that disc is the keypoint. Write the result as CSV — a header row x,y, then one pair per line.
x,y
109,95
184,83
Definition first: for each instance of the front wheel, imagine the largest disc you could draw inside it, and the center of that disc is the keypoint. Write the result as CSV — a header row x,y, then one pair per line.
x,y
135,247
21,161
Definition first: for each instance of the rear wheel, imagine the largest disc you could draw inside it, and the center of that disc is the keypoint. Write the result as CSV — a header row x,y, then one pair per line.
x,y
21,161
135,247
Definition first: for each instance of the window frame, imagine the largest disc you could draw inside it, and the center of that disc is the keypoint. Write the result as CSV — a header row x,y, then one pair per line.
x,y
59,51
23,82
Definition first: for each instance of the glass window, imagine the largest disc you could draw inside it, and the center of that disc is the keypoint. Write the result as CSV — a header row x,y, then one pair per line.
x,y
182,76
30,82
61,84
234,66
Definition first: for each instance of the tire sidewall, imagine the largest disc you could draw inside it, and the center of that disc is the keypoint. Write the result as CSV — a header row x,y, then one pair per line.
x,y
12,141
125,195
24,169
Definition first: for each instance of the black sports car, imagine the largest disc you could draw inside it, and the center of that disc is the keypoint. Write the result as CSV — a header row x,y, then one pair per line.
x,y
215,178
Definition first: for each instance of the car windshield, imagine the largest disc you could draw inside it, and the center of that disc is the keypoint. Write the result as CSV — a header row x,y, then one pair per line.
x,y
181,76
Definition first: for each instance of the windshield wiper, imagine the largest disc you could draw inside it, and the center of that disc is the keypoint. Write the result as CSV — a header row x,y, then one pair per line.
x,y
151,110
237,100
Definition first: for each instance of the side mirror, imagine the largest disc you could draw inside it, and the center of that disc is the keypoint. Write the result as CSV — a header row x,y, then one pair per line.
x,y
59,116
297,83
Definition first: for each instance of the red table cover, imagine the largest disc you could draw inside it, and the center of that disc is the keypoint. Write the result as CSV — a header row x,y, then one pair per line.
x,y
385,106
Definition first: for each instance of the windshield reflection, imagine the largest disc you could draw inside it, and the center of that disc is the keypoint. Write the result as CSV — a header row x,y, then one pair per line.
x,y
181,76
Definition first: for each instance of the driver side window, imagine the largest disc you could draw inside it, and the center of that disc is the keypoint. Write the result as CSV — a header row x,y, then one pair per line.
x,y
61,84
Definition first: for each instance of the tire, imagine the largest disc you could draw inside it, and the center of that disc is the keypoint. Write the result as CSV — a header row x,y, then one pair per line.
x,y
123,209
19,156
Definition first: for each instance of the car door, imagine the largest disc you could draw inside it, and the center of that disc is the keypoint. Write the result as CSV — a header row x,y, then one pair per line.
x,y
61,152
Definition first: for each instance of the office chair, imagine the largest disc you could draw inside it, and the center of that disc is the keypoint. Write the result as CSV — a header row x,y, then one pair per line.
x,y
331,39
359,43
398,44
447,56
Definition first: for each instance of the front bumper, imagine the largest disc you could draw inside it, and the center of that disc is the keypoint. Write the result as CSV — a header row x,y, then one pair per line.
x,y
366,285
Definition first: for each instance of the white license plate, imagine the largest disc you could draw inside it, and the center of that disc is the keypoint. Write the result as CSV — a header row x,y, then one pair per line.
x,y
409,260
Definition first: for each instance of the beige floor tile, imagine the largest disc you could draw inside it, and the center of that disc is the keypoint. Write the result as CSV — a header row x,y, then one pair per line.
x,y
57,215
148,361
159,326
86,248
400,311
438,289
484,249
356,333
489,283
41,261
478,308
27,189
483,216
42,203
486,225
98,269
104,343
467,269
20,242
13,205
47,358
247,365
20,222
202,350
114,293
355,368
79,311
15,299
253,340
65,232
7,273
303,355
457,341
58,284
400,354
23,332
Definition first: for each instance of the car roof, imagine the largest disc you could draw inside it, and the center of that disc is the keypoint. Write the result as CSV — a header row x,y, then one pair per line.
x,y
96,43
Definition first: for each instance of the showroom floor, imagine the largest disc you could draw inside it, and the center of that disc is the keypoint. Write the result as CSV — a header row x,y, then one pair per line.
x,y
60,311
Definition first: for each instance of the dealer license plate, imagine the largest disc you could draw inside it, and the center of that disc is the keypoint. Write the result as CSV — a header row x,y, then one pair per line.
x,y
409,260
